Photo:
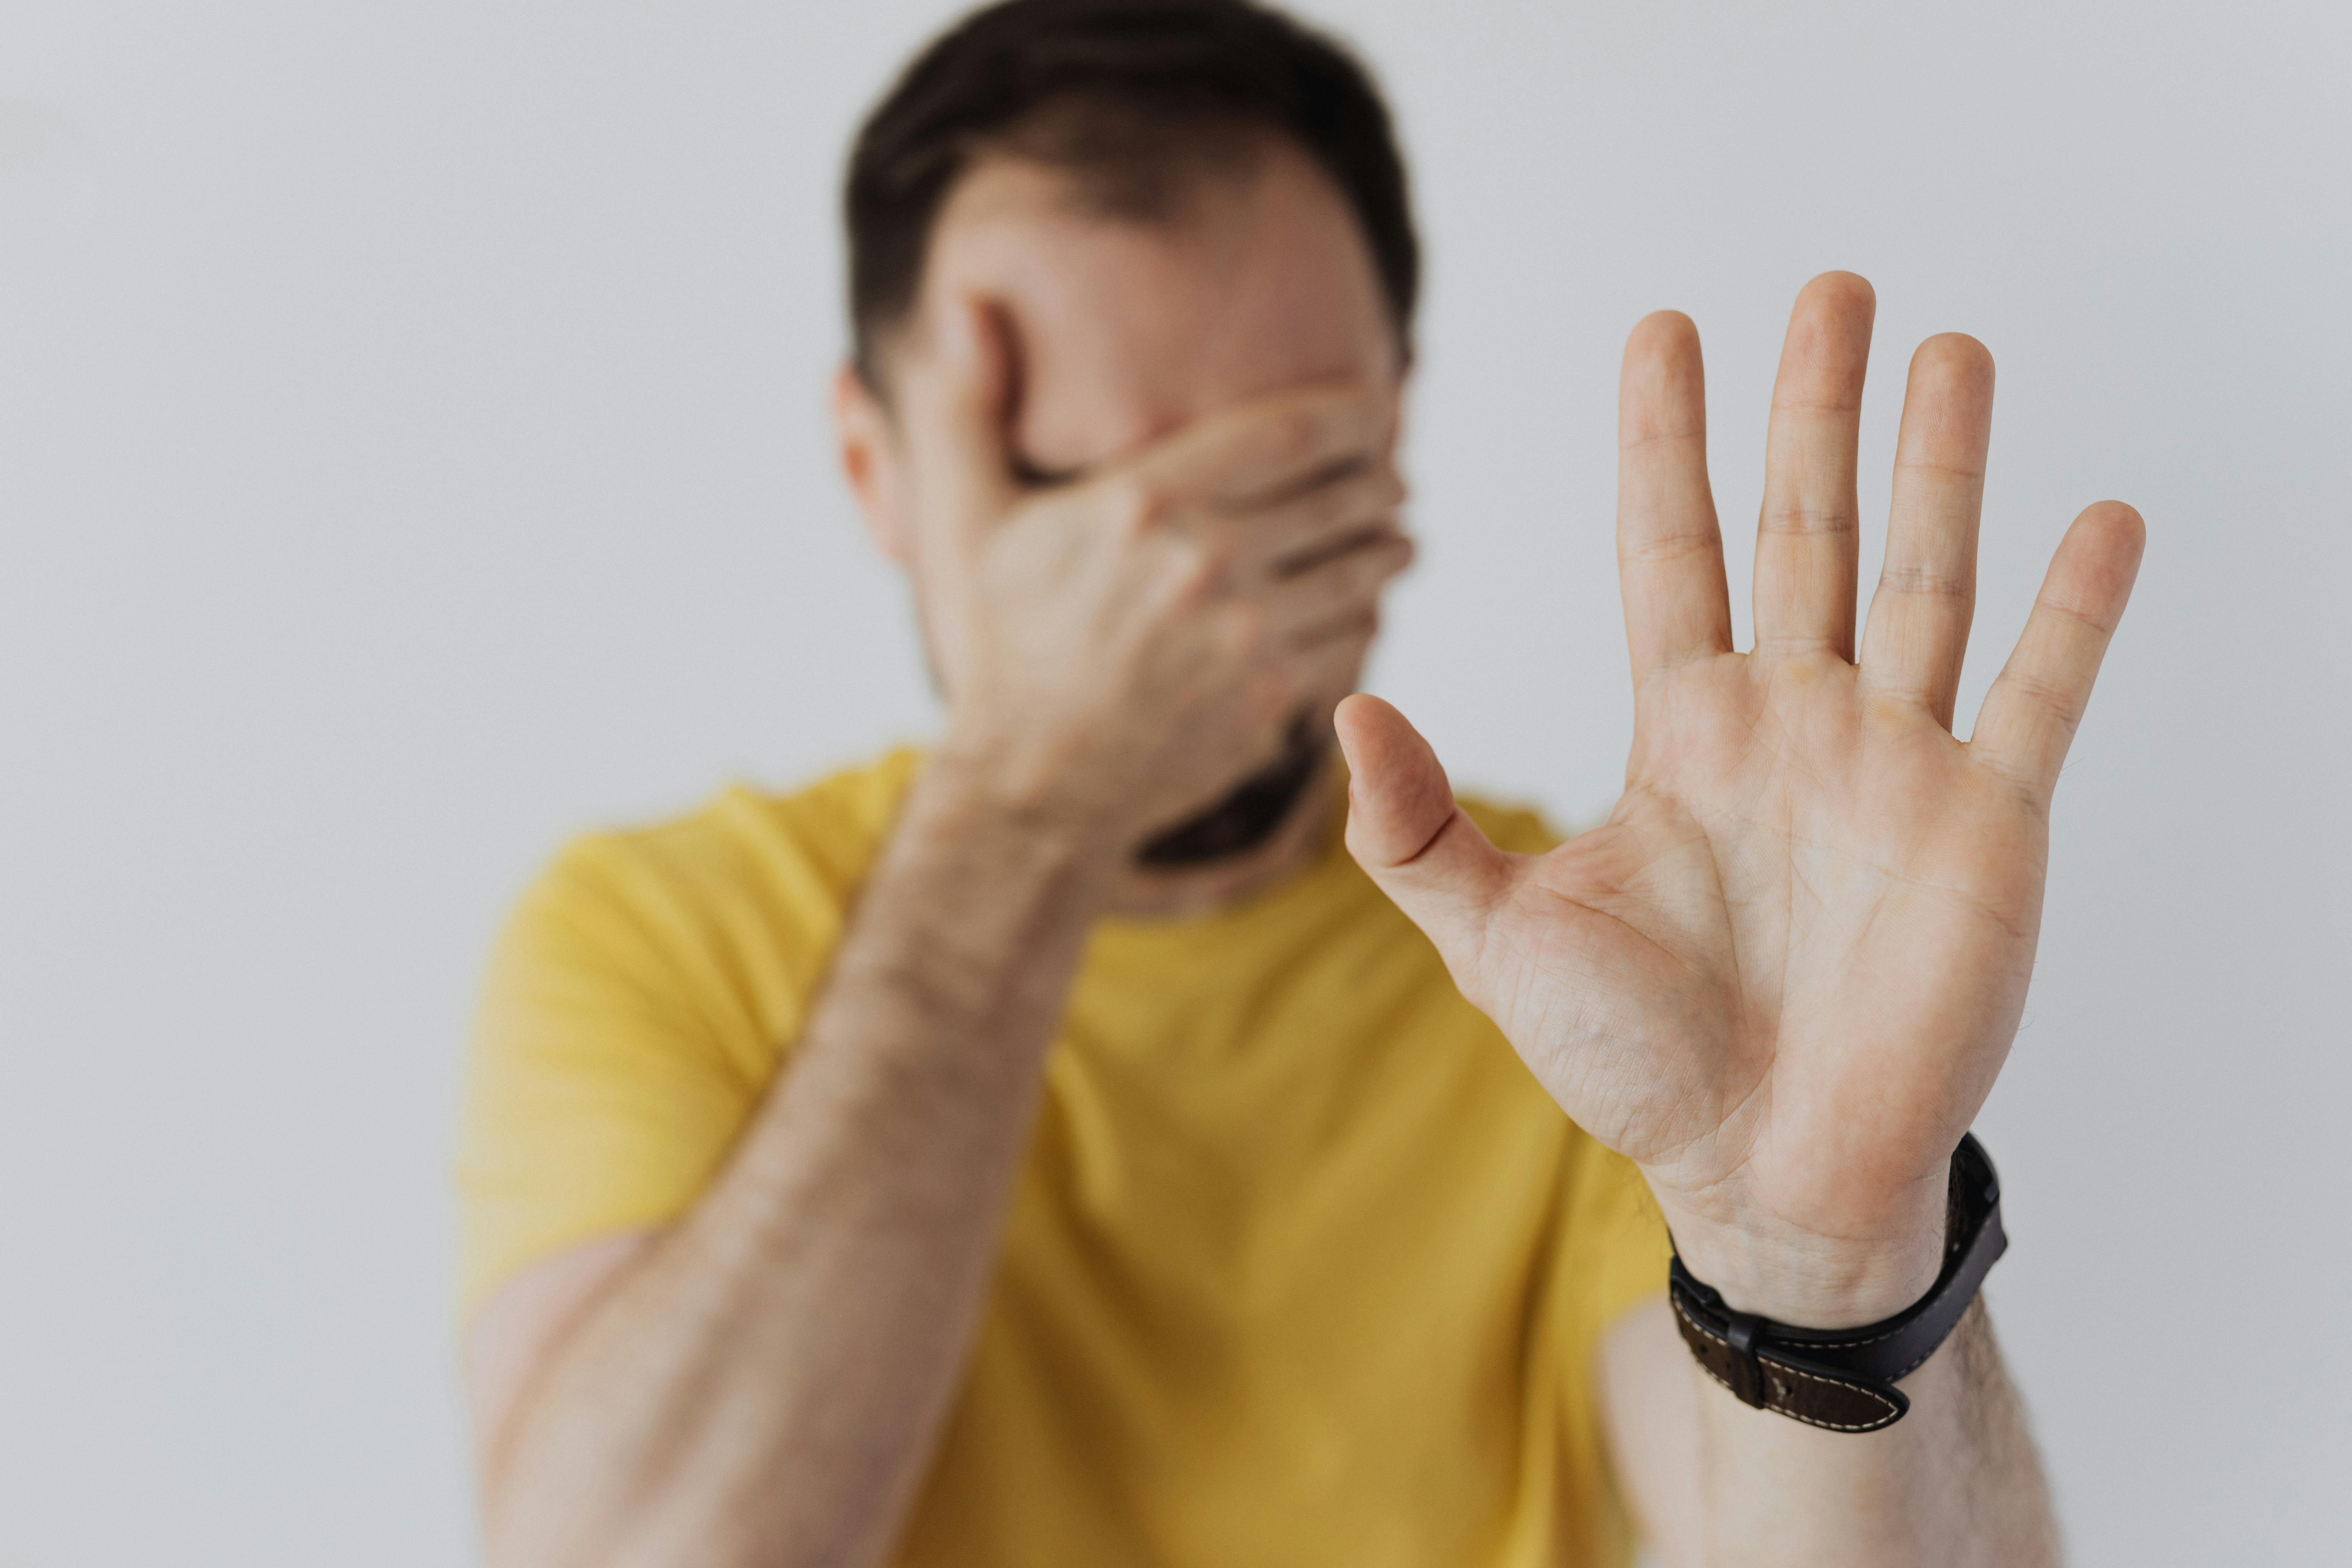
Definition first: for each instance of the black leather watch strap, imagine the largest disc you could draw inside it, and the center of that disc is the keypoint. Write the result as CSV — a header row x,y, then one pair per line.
x,y
1843,1379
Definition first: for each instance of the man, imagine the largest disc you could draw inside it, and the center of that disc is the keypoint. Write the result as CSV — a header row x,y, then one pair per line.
x,y
1055,1149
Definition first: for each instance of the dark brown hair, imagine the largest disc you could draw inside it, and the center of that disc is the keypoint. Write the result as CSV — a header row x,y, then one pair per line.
x,y
1132,98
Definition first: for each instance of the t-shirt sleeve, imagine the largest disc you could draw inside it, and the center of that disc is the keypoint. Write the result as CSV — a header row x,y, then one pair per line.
x,y
1613,1237
611,1070
1611,1252
1612,1258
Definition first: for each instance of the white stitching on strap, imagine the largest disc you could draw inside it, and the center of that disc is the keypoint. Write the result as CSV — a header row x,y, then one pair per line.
x,y
1892,1410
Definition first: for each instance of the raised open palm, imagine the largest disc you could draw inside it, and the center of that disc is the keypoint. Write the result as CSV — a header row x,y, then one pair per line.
x,y
1783,975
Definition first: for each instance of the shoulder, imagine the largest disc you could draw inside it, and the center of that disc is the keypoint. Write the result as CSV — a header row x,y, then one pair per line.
x,y
714,925
804,850
643,993
833,826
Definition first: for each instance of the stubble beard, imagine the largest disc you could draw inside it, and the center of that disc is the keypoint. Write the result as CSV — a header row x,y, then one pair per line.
x,y
1250,813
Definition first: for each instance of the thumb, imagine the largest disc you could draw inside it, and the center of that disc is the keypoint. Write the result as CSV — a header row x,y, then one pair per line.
x,y
1406,832
957,400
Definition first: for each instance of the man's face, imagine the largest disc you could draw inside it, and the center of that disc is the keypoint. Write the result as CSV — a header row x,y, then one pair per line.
x,y
1125,330
1122,330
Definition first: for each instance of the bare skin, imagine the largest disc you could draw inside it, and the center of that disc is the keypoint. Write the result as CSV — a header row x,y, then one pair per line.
x,y
761,1384
1714,1482
1783,975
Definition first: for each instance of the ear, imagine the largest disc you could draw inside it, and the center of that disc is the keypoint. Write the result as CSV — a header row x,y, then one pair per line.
x,y
870,460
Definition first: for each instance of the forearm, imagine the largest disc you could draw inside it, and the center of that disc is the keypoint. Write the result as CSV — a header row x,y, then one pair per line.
x,y
1955,1482
762,1388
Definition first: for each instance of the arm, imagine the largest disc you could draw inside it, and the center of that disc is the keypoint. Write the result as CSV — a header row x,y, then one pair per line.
x,y
770,1369
761,1383
1783,975
1956,1480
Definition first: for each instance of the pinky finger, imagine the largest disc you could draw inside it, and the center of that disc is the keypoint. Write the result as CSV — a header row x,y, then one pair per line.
x,y
2030,714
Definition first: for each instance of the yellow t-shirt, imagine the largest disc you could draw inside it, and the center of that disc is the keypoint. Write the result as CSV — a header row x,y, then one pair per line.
x,y
1302,1266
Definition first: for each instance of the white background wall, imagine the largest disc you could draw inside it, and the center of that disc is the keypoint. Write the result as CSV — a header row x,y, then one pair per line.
x,y
411,453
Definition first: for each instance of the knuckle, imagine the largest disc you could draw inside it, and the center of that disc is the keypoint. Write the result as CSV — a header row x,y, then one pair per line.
x,y
1202,557
1370,568
2051,699
1355,626
1802,519
1137,502
1185,577
1180,567
1664,548
2025,786
1242,629
1219,538
1928,582
1295,431
2099,628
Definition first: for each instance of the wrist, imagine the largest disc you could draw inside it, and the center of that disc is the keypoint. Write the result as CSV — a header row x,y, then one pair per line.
x,y
1037,779
973,787
1766,1267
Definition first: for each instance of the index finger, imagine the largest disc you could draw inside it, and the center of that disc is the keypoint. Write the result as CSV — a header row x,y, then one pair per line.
x,y
954,396
1268,448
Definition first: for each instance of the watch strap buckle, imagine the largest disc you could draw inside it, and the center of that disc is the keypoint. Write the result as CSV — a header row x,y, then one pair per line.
x,y
1844,1380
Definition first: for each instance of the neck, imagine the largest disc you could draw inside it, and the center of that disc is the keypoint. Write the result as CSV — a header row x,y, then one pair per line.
x,y
1170,892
